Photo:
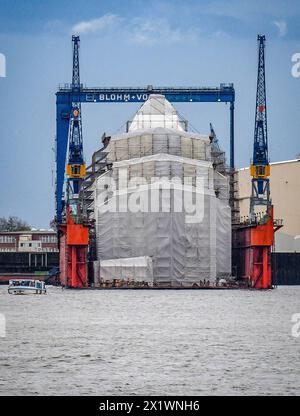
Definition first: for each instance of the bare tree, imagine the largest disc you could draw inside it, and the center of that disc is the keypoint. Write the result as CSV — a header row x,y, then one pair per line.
x,y
53,224
13,224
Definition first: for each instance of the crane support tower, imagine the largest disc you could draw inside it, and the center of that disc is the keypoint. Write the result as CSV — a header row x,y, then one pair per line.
x,y
260,167
253,240
73,233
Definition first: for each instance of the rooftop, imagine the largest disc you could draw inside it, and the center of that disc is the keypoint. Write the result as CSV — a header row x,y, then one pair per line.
x,y
276,163
29,232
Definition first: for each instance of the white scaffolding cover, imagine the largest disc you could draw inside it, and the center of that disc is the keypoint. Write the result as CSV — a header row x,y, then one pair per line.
x,y
183,248
156,112
139,269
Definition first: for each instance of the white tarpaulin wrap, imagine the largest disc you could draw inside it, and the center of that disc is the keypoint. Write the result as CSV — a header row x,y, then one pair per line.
x,y
139,269
184,227
157,112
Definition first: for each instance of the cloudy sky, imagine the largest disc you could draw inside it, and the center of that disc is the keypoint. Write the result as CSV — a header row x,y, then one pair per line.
x,y
136,43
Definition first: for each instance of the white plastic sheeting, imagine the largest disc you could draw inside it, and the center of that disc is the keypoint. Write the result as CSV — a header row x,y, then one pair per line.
x,y
182,251
156,111
139,269
184,247
151,141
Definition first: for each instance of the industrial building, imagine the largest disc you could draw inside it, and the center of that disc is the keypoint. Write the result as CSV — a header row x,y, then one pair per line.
x,y
28,241
32,254
144,228
285,187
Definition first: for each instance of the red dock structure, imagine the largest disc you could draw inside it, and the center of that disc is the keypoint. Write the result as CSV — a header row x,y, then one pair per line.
x,y
73,243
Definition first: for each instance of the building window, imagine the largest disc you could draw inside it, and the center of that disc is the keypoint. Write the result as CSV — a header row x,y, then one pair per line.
x,y
48,239
7,239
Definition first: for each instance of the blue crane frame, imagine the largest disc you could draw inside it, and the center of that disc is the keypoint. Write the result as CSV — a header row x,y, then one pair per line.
x,y
65,96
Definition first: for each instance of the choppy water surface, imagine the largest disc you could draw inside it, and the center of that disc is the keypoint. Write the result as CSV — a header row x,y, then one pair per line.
x,y
150,342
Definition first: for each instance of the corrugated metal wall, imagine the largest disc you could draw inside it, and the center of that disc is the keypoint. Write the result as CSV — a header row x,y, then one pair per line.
x,y
27,262
286,268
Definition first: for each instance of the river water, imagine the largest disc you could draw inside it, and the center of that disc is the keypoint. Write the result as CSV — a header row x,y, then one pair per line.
x,y
138,342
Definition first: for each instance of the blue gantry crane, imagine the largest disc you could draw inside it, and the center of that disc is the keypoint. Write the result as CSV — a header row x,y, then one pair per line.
x,y
75,169
260,167
253,239
73,232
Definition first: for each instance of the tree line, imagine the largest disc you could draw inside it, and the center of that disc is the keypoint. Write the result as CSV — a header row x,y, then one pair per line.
x,y
12,223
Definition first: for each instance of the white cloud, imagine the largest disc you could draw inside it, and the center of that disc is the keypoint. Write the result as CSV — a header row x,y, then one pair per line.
x,y
281,26
150,32
221,34
137,30
95,25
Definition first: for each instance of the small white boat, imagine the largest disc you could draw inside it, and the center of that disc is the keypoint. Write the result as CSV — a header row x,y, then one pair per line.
x,y
26,286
